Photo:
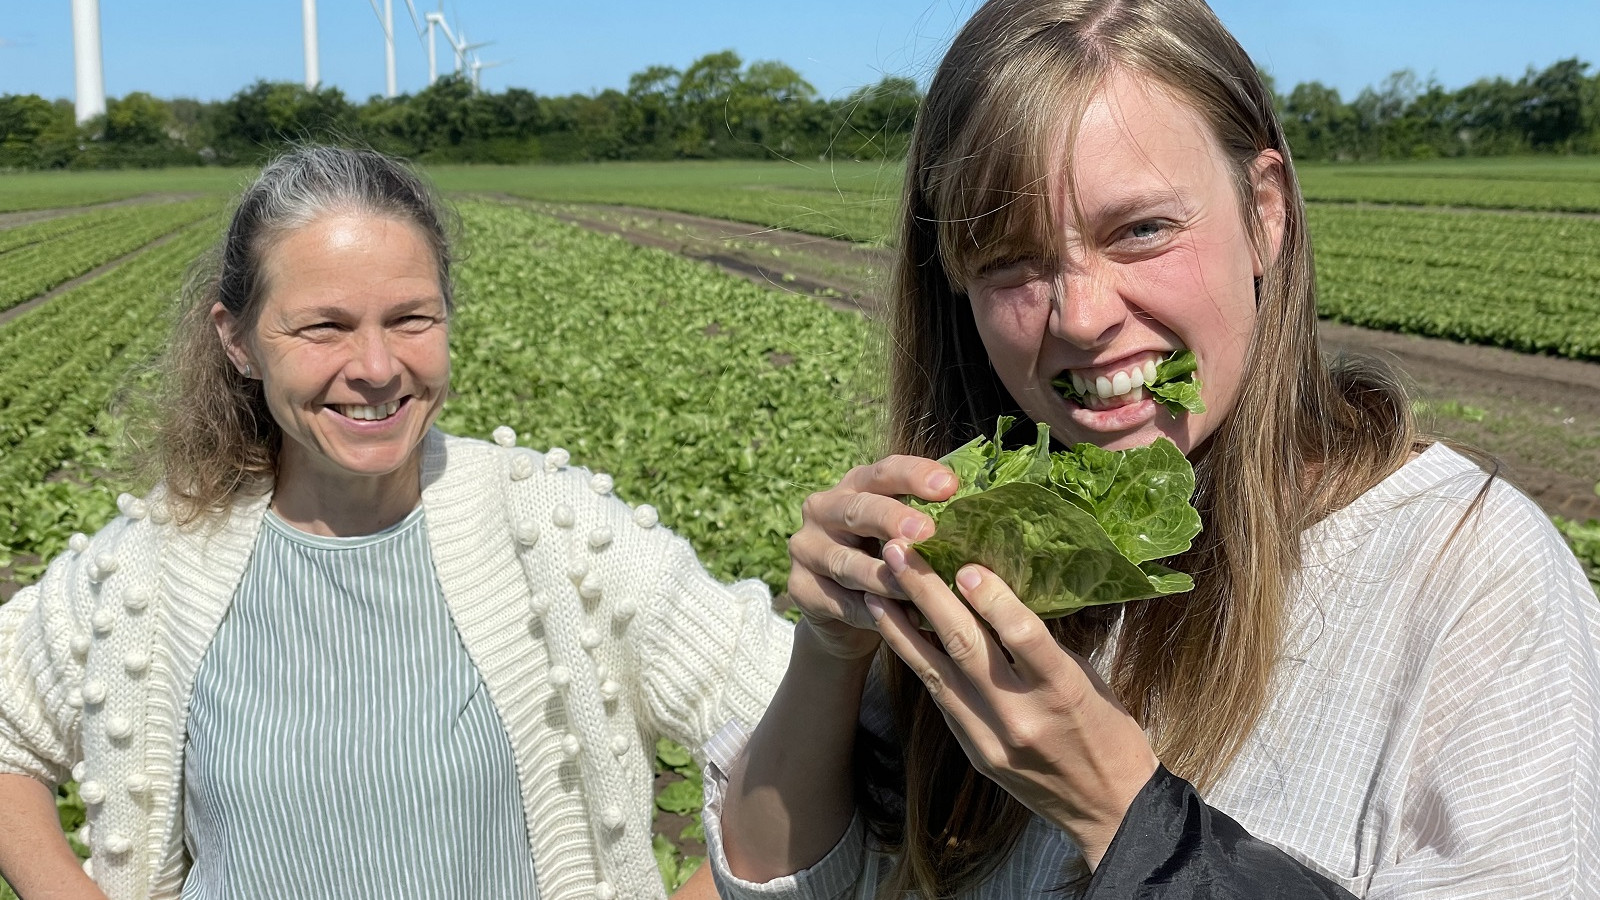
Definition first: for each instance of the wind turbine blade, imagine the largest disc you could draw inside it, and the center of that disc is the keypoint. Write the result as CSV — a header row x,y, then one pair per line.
x,y
412,9
379,13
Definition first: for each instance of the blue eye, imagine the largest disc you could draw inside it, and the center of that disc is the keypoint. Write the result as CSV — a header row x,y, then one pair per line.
x,y
1146,230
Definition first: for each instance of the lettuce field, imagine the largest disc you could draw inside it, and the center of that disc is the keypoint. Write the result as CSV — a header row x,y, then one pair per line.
x,y
720,402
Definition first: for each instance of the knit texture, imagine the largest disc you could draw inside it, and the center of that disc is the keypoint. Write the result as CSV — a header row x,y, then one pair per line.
x,y
595,630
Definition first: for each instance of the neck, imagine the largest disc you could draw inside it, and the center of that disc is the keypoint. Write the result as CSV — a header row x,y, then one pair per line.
x,y
339,504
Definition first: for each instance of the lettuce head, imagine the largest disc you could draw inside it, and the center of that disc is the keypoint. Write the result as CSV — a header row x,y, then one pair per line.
x,y
1069,529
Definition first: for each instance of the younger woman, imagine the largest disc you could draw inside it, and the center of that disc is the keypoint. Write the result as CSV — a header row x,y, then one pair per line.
x,y
1385,680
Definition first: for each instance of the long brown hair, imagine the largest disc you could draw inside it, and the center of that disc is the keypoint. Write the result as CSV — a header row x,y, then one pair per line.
x,y
214,437
1303,441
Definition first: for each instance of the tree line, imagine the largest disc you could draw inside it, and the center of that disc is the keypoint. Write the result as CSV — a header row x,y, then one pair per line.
x,y
719,107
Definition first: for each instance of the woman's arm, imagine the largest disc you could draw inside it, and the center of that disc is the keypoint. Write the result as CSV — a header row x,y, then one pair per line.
x,y
34,855
789,797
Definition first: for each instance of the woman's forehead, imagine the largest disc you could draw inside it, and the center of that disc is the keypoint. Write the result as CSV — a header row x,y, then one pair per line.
x,y
1136,143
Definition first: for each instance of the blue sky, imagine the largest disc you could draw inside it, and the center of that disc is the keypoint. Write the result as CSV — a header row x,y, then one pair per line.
x,y
210,48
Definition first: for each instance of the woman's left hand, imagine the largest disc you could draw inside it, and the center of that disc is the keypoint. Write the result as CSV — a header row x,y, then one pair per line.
x,y
1041,724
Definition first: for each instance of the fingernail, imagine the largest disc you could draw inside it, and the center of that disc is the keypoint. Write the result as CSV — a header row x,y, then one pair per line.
x,y
968,579
940,481
874,605
911,529
895,556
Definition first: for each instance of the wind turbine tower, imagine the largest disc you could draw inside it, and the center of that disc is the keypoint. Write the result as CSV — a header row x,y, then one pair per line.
x,y
88,73
308,11
390,88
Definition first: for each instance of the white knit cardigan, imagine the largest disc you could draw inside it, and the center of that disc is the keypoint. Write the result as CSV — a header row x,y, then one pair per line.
x,y
595,631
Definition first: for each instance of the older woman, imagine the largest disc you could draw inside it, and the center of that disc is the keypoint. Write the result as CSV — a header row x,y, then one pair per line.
x,y
337,653
1385,681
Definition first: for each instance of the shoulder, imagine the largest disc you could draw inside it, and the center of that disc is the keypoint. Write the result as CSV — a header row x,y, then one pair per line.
x,y
1442,547
539,490
1440,503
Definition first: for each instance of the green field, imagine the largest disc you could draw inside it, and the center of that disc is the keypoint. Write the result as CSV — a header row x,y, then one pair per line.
x,y
853,201
718,401
1566,184
43,190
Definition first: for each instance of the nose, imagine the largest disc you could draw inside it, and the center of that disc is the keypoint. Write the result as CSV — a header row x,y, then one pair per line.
x,y
1087,307
371,361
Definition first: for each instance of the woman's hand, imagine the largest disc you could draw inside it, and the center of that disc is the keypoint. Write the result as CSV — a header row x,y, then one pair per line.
x,y
834,556
1040,723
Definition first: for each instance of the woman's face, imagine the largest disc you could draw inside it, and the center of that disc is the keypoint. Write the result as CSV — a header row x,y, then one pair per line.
x,y
352,347
1161,261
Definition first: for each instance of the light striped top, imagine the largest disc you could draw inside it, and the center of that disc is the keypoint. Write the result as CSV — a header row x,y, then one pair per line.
x,y
341,743
1432,731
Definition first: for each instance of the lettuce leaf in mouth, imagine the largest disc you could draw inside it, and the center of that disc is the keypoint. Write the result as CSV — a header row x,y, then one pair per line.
x,y
1177,384
1066,530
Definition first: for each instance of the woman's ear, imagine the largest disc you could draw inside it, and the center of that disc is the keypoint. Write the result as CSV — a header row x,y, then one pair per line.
x,y
227,332
1267,186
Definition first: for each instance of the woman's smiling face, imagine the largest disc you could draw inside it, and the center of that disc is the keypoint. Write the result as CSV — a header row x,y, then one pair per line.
x,y
352,348
1160,260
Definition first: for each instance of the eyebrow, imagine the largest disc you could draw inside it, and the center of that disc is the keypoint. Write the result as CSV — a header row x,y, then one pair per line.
x,y
334,312
1131,204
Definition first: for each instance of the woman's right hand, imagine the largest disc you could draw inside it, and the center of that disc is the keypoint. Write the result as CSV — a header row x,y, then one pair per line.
x,y
834,557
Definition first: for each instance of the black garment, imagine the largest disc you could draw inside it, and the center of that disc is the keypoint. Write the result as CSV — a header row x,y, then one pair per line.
x,y
1172,846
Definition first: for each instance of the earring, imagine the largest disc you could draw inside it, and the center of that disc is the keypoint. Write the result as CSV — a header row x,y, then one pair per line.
x,y
247,370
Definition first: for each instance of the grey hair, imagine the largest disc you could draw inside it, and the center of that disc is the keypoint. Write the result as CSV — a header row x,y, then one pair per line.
x,y
215,437
308,182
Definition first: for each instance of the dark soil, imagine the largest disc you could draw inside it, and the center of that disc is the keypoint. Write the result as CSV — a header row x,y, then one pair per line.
x,y
1539,415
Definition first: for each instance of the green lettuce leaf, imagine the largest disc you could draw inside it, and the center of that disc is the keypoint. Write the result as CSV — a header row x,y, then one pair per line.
x,y
1177,384
1069,529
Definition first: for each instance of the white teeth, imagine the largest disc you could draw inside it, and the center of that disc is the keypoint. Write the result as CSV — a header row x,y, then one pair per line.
x,y
1125,387
369,413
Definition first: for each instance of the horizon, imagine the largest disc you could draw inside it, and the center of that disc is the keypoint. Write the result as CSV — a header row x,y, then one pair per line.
x,y
1350,49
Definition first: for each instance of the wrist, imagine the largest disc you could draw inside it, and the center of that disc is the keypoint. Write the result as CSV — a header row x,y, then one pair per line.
x,y
823,655
1094,836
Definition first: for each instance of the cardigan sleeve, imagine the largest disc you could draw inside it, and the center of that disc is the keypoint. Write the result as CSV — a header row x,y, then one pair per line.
x,y
709,653
44,640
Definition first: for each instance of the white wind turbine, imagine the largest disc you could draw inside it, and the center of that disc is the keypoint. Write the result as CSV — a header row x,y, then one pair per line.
x,y
88,74
386,19
457,39
478,65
